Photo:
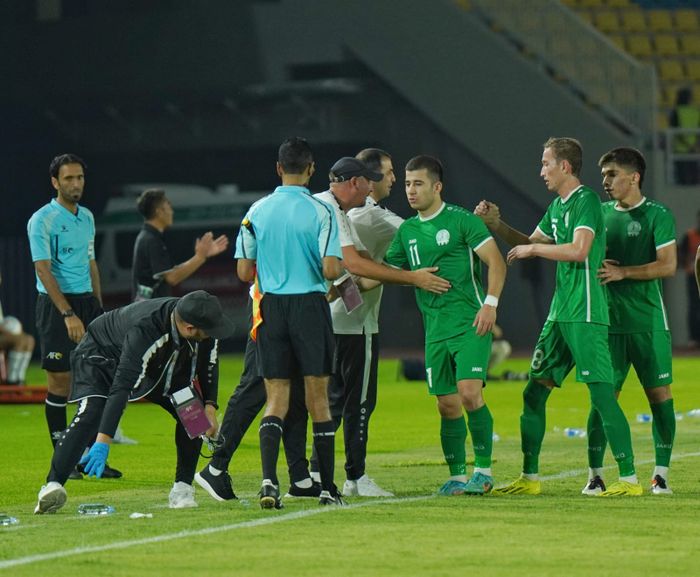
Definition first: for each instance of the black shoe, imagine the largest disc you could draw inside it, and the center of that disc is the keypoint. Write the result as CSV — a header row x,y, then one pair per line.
x,y
75,475
108,473
332,497
300,492
218,486
270,497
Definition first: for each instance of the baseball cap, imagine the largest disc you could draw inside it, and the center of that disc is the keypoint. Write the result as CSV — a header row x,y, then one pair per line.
x,y
347,167
203,311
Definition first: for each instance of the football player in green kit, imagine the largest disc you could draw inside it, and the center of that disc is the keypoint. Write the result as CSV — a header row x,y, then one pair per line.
x,y
641,250
457,323
571,233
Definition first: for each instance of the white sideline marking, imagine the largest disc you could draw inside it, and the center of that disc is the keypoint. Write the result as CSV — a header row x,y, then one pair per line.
x,y
263,521
195,533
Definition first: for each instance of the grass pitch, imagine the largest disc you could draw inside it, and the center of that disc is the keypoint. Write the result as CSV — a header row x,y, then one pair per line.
x,y
560,532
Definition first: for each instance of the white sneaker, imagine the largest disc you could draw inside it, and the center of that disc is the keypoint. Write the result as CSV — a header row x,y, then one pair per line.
x,y
121,439
52,497
365,487
594,486
181,496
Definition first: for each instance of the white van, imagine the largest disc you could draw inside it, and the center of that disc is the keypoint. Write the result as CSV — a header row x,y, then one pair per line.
x,y
197,210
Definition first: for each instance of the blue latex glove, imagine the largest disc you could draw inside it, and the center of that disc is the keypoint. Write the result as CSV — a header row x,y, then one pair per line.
x,y
94,462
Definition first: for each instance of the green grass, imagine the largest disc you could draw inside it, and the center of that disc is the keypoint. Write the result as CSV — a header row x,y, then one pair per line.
x,y
558,533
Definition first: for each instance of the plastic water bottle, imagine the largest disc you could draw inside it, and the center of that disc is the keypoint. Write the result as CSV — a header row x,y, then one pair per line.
x,y
644,418
7,520
571,432
694,413
95,509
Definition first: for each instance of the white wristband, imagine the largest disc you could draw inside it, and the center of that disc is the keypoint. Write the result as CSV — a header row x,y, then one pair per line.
x,y
491,300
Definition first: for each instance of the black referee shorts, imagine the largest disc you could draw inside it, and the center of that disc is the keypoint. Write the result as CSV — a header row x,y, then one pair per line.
x,y
296,329
56,345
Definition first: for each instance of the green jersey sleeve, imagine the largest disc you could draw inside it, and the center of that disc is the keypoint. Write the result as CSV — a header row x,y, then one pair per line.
x,y
664,229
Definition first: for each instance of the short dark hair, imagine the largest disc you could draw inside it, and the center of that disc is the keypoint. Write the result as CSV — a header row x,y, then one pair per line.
x,y
62,159
628,158
568,149
295,155
430,163
373,157
149,201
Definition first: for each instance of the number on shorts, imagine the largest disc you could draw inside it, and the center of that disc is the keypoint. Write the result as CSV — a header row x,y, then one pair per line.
x,y
537,358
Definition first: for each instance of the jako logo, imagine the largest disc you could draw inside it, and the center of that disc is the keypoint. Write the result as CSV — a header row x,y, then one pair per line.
x,y
585,373
478,369
664,375
55,356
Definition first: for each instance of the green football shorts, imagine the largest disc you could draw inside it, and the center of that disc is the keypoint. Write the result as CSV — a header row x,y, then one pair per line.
x,y
563,345
649,353
465,356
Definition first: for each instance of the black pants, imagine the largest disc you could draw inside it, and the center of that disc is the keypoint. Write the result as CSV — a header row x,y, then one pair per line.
x,y
84,426
352,393
245,404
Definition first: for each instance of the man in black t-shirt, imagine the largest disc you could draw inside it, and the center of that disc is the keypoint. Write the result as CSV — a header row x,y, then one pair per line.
x,y
153,272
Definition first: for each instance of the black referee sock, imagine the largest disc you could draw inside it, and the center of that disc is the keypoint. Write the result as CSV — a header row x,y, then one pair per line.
x,y
270,436
55,410
324,443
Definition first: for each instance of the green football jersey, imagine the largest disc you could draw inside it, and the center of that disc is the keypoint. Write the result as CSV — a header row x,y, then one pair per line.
x,y
447,240
578,294
633,237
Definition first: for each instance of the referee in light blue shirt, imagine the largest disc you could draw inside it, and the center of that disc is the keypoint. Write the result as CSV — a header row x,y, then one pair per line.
x,y
292,241
62,242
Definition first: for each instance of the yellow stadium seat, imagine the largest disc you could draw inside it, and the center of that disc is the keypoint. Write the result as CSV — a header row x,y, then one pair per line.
x,y
639,45
671,71
618,3
661,119
570,3
464,4
585,15
686,20
606,21
660,21
590,3
633,20
693,68
690,44
665,45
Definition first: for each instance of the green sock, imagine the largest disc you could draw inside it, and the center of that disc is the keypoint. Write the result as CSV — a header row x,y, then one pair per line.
x,y
481,427
663,428
453,435
596,440
532,424
617,429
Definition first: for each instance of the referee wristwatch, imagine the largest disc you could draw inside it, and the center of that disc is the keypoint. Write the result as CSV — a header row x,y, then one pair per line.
x,y
68,313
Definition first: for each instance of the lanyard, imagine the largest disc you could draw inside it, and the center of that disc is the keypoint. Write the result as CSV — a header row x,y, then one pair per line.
x,y
172,361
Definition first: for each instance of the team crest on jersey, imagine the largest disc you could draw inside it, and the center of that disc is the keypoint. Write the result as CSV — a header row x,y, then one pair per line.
x,y
442,237
634,228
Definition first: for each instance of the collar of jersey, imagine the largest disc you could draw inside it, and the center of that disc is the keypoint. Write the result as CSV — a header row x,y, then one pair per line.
x,y
622,209
432,216
574,191
59,205
292,188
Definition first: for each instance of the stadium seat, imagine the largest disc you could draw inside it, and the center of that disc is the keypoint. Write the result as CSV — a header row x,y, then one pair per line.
x,y
464,4
606,21
618,41
632,20
693,68
661,121
660,21
585,15
671,71
665,45
639,46
618,3
690,44
696,94
686,20
590,3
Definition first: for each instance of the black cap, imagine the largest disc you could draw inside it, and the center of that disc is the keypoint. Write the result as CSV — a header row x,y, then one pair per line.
x,y
347,167
203,311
